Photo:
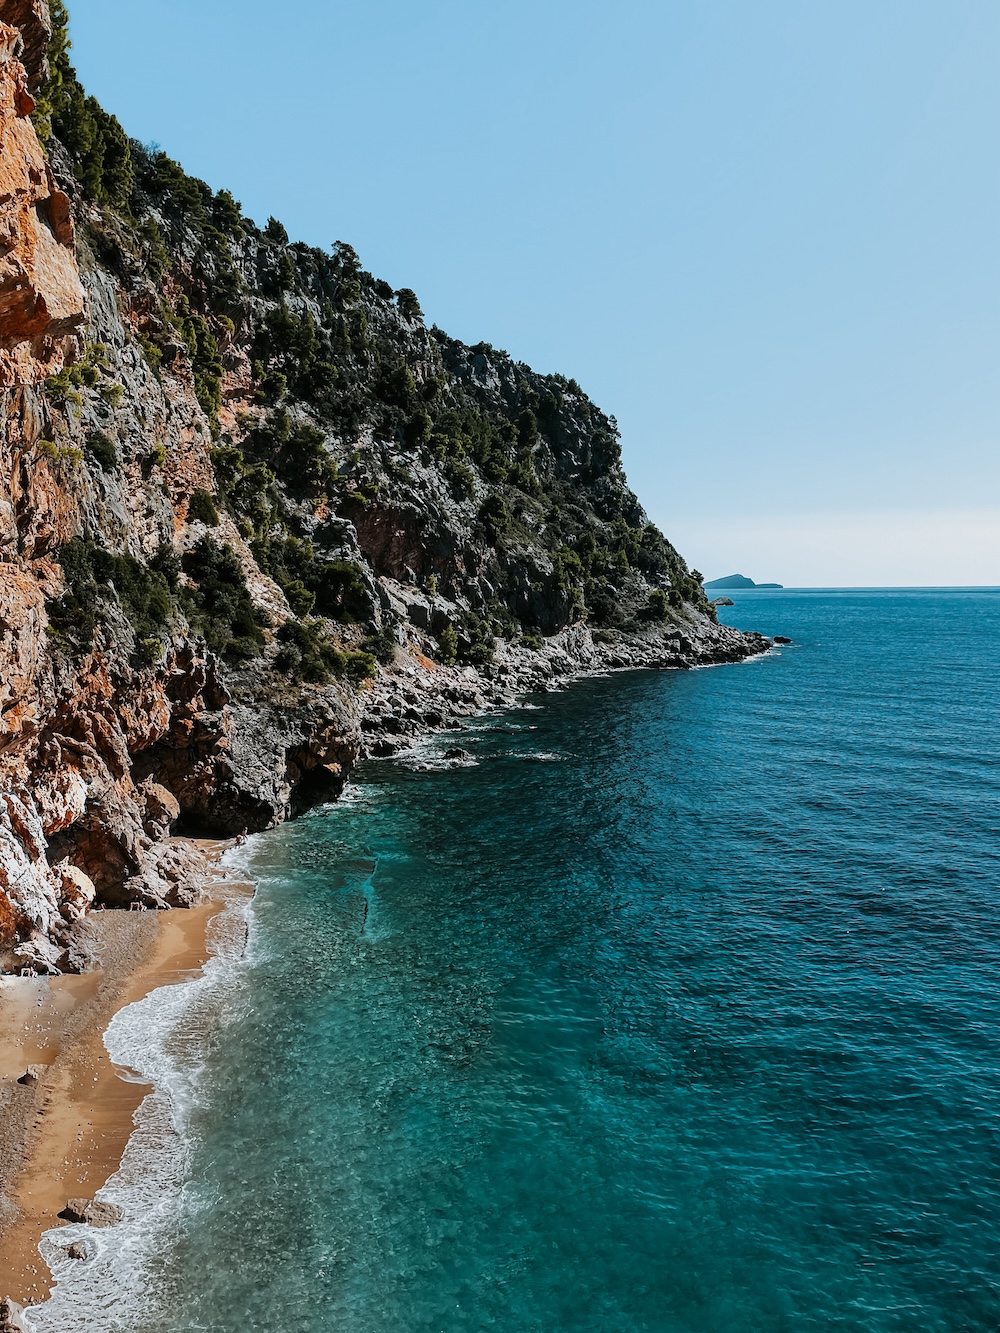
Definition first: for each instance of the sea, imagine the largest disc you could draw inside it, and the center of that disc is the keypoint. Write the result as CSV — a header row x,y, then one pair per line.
x,y
672,1008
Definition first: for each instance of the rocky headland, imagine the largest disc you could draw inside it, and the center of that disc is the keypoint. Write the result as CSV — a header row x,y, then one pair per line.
x,y
257,520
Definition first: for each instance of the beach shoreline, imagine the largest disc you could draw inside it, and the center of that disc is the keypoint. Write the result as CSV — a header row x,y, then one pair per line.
x,y
66,1110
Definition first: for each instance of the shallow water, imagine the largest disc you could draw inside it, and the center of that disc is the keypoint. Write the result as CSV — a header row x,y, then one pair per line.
x,y
676,1012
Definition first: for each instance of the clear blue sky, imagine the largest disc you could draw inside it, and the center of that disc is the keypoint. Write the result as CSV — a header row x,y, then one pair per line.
x,y
764,235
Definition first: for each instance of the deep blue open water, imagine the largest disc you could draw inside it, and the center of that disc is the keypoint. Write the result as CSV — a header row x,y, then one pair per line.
x,y
676,1012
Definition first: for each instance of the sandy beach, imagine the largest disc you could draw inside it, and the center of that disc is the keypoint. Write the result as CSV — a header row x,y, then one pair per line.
x,y
64,1128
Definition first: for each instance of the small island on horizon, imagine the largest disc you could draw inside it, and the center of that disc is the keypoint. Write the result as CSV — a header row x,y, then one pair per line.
x,y
739,581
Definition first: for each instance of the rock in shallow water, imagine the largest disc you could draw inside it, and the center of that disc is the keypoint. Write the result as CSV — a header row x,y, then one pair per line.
x,y
11,1317
92,1211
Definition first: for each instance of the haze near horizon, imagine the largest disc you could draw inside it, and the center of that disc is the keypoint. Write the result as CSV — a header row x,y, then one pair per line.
x,y
764,237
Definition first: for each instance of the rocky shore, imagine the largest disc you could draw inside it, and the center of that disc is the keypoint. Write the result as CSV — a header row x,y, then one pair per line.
x,y
418,696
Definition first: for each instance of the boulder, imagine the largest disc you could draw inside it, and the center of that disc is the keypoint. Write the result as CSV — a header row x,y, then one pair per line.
x,y
31,1075
780,638
76,891
419,614
77,1250
162,809
91,1211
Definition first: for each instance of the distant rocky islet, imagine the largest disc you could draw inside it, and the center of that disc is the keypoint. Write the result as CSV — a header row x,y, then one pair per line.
x,y
739,581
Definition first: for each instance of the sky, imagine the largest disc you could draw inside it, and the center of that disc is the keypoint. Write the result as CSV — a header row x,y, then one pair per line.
x,y
763,235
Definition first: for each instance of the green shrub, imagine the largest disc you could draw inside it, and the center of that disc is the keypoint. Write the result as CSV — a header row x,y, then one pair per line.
x,y
95,578
306,652
409,306
103,451
657,606
381,645
418,430
166,563
533,641
206,365
219,605
359,667
567,568
300,599
149,651
152,353
482,645
287,273
61,455
156,252
275,232
306,467
462,481
201,508
273,386
227,215
182,195
494,516
157,457
447,645
341,590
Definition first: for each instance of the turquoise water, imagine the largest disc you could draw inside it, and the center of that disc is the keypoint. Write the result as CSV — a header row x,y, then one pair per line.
x,y
677,1012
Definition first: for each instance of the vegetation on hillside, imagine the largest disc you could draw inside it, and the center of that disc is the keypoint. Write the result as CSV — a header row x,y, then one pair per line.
x,y
511,481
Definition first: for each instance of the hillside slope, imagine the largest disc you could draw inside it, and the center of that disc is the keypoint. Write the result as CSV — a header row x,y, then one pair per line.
x,y
256,519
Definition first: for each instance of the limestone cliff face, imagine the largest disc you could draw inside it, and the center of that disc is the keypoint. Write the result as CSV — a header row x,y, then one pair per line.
x,y
256,519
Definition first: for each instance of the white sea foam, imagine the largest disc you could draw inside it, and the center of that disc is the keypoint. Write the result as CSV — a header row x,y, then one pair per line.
x,y
353,794
161,1037
427,753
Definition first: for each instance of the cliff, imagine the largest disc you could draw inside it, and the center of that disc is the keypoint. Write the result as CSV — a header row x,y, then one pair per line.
x,y
256,519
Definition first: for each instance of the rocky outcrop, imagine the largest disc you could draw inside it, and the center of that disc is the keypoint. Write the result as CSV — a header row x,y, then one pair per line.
x,y
233,473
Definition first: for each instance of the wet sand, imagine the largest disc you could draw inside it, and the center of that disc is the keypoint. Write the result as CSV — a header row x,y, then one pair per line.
x,y
63,1136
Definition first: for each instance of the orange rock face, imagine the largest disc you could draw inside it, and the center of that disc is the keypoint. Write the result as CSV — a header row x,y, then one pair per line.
x,y
41,297
31,18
